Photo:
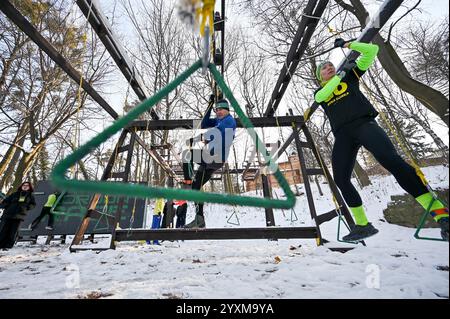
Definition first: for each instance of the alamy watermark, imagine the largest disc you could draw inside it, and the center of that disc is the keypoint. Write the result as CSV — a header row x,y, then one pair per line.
x,y
73,278
373,276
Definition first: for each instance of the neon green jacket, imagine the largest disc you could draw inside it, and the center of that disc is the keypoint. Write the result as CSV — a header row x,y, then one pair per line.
x,y
159,206
50,200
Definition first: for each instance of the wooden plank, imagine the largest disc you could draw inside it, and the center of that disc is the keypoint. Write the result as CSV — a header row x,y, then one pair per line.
x,y
216,233
190,124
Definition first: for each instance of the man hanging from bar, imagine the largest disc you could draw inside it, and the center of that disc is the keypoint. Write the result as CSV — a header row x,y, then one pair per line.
x,y
218,140
352,119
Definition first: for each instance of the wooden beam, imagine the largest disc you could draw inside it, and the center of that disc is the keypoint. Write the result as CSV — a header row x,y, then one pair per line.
x,y
216,233
190,124
300,42
104,31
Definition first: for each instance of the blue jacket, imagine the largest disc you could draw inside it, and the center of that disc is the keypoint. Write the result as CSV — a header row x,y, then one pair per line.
x,y
228,122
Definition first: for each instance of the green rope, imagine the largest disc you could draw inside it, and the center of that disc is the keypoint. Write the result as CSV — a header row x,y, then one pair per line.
x,y
60,181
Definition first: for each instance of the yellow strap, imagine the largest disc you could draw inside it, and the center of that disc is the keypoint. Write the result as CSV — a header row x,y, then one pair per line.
x,y
105,206
307,114
206,13
331,30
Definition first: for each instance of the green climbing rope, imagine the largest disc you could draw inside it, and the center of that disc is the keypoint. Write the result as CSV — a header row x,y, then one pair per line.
x,y
60,180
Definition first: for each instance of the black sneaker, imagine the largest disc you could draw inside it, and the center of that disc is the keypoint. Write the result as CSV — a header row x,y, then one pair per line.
x,y
198,222
358,232
443,222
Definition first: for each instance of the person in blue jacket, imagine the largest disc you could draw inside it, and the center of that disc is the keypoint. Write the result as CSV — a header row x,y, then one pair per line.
x,y
218,140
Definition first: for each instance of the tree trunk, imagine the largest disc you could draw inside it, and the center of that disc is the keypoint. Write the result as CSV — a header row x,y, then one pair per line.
x,y
10,153
6,177
11,159
437,140
7,158
25,163
8,62
432,99
83,170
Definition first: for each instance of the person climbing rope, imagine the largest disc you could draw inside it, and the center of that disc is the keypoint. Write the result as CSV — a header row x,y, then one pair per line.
x,y
46,210
15,208
352,119
218,142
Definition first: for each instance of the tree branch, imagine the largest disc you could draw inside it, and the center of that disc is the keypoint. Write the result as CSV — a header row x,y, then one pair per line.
x,y
406,13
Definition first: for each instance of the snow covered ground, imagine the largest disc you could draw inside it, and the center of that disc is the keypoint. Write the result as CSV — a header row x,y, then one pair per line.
x,y
393,265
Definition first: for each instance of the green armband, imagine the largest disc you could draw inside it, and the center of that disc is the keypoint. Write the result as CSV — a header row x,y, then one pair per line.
x,y
328,89
368,54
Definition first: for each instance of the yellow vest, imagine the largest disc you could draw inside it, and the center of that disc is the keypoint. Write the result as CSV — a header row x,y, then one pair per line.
x,y
50,201
159,206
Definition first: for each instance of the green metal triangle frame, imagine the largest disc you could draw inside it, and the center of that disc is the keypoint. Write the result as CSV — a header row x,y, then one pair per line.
x,y
60,181
422,223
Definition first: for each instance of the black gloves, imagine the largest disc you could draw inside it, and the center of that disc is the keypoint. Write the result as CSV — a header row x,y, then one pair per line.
x,y
212,98
339,43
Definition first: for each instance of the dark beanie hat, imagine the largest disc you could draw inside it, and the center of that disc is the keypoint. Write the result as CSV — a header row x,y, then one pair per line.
x,y
223,104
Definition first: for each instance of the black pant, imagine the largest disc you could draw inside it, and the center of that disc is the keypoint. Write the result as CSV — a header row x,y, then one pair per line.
x,y
9,229
368,134
45,211
203,175
181,215
168,215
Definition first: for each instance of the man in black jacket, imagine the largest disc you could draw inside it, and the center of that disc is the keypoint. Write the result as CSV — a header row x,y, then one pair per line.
x,y
15,208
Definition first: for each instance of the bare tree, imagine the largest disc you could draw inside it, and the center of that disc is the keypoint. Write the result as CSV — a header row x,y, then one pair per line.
x,y
427,51
41,96
255,82
162,54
